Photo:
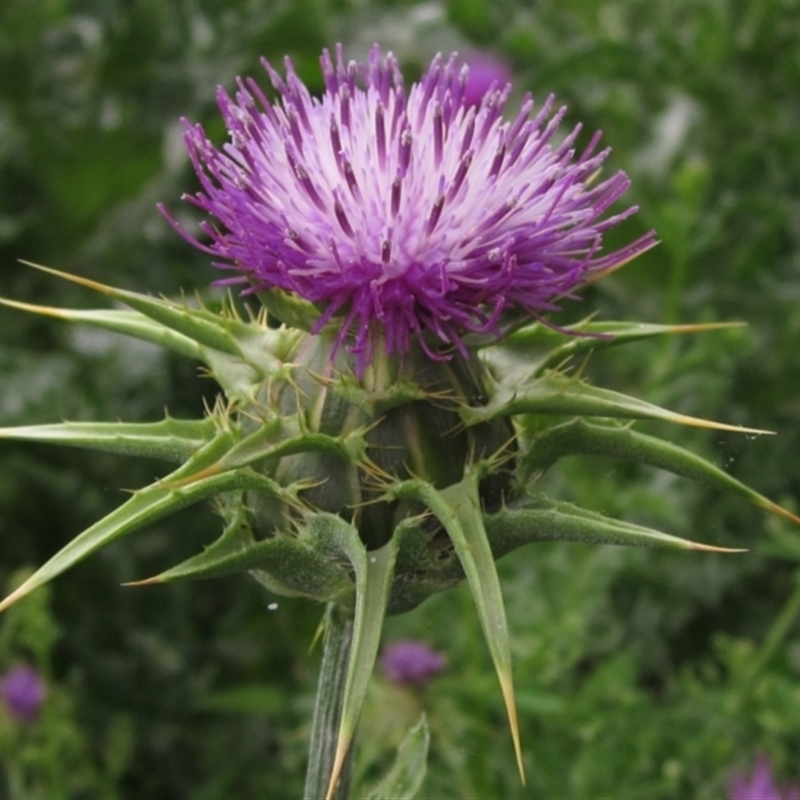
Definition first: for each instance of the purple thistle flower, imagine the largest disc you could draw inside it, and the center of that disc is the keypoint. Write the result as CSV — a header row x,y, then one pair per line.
x,y
486,71
760,785
23,692
405,214
411,663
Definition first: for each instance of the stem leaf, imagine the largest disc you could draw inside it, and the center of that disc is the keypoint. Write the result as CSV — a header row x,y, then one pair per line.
x,y
569,396
374,570
170,439
540,519
458,509
204,327
147,505
586,336
405,777
580,437
287,565
129,323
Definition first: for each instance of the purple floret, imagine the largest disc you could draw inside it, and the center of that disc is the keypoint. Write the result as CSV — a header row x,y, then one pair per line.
x,y
760,785
406,214
411,663
486,71
23,692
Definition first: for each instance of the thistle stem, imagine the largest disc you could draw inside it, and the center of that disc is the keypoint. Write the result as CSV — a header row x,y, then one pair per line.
x,y
328,707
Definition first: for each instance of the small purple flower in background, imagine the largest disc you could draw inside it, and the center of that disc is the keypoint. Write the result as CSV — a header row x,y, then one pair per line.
x,y
411,663
23,692
760,785
407,214
486,71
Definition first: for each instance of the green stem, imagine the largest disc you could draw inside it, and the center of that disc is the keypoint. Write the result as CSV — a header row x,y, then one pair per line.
x,y
777,633
328,707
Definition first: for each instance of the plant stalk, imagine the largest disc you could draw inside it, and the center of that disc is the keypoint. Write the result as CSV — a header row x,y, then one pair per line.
x,y
328,707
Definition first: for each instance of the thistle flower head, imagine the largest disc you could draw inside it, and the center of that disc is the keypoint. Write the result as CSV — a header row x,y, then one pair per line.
x,y
23,692
760,785
403,213
410,663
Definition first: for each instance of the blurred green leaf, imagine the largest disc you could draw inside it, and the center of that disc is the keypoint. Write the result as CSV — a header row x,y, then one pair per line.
x,y
407,774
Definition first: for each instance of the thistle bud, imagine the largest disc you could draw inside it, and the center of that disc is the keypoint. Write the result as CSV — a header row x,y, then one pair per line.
x,y
401,420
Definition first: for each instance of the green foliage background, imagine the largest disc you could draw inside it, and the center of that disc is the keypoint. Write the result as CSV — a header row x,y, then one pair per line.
x,y
640,674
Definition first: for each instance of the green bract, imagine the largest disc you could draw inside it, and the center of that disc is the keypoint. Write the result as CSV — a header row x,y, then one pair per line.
x,y
374,492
